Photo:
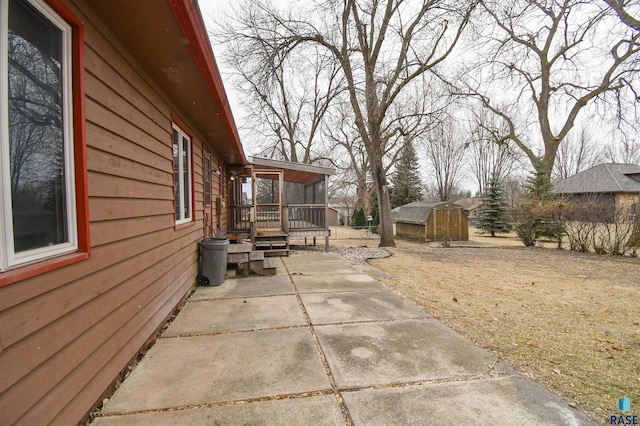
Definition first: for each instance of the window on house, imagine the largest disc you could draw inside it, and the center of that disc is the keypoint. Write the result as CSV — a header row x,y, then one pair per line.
x,y
183,190
207,180
37,172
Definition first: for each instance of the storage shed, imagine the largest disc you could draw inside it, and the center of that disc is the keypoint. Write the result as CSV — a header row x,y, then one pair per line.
x,y
434,221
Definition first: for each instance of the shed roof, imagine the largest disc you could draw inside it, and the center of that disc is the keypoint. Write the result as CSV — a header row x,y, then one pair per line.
x,y
419,211
604,178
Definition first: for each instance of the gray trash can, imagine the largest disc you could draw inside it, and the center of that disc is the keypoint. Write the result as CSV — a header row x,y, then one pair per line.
x,y
213,260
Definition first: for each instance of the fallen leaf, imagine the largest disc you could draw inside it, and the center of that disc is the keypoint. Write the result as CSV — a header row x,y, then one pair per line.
x,y
556,371
534,344
455,299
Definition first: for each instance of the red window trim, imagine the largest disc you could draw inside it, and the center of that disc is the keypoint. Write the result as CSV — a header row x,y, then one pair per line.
x,y
80,160
178,122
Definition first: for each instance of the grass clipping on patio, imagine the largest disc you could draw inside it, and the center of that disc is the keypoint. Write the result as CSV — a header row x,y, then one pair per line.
x,y
570,321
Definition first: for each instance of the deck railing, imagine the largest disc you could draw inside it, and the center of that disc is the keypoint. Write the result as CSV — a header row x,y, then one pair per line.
x,y
307,216
297,217
240,218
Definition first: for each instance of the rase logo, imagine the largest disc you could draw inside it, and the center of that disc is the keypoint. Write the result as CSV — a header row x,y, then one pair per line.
x,y
624,405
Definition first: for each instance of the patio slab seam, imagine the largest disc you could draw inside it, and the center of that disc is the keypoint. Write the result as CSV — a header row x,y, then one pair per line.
x,y
323,358
377,321
231,332
261,296
295,395
437,381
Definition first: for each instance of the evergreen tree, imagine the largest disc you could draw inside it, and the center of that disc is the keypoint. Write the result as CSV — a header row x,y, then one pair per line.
x,y
494,216
539,213
360,219
538,185
354,217
406,185
375,218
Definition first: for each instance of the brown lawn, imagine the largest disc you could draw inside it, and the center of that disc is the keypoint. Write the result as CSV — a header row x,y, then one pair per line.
x,y
571,321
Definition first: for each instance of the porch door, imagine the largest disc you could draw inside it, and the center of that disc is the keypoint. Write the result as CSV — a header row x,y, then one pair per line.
x,y
267,187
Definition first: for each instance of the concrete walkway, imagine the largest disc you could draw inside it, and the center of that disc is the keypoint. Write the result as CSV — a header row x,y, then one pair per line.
x,y
322,343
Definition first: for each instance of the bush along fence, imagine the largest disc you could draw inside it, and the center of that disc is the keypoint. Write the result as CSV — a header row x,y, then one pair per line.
x,y
591,226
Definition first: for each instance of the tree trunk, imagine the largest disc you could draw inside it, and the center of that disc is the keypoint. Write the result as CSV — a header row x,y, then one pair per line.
x,y
384,204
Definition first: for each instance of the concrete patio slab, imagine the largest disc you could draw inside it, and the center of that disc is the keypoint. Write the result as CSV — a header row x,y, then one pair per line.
x,y
336,283
403,351
252,359
280,269
318,410
328,308
184,371
323,265
246,287
508,400
216,316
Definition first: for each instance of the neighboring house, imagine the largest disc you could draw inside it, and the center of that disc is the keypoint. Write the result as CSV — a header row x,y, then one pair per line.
x,y
334,217
615,186
434,221
116,139
345,213
471,207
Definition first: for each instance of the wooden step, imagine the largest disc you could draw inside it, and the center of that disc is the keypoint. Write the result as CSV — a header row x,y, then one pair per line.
x,y
270,265
263,267
271,244
275,252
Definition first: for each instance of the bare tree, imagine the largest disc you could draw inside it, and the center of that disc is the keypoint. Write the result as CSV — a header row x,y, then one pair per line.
x,y
579,152
625,151
445,149
349,154
382,48
288,92
622,8
488,155
547,62
513,190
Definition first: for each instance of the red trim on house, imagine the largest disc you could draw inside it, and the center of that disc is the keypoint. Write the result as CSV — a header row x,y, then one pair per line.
x,y
79,134
41,267
188,16
80,159
178,122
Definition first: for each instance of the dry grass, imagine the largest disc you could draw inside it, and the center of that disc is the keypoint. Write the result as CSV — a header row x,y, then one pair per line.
x,y
571,321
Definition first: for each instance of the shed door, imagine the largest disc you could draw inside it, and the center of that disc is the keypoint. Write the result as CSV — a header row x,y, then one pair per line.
x,y
447,224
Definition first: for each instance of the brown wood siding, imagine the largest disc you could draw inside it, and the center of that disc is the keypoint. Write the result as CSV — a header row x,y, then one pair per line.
x,y
65,335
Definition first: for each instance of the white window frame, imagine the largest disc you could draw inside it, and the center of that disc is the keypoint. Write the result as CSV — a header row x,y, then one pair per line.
x,y
8,256
184,215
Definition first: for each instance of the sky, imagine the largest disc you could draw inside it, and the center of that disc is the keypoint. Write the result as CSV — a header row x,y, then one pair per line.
x,y
210,9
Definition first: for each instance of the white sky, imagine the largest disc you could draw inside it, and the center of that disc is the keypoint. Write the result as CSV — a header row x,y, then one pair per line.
x,y
209,9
